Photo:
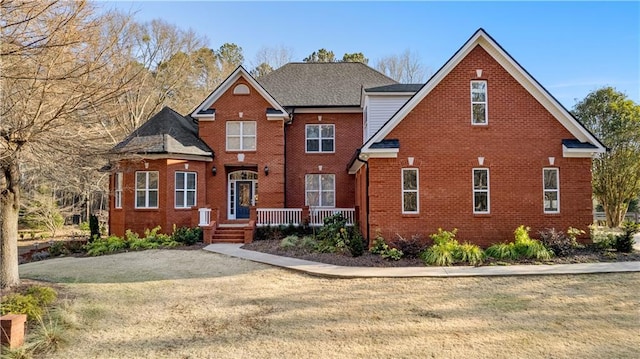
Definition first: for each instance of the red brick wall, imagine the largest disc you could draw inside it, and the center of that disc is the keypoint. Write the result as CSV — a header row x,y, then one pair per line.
x,y
516,144
348,138
166,215
270,148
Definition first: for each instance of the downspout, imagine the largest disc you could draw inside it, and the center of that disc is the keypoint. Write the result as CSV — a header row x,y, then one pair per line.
x,y
285,153
366,163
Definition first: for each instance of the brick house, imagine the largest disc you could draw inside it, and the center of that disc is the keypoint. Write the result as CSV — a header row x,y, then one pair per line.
x,y
481,147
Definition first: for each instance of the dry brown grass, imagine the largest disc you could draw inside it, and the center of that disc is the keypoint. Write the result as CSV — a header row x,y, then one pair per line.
x,y
194,304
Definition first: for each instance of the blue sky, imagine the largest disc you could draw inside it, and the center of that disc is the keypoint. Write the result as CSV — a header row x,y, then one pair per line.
x,y
570,47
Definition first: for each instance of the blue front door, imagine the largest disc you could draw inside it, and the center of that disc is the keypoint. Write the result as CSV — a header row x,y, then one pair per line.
x,y
243,198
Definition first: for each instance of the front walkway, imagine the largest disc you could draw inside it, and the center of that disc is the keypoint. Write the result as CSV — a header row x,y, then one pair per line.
x,y
331,270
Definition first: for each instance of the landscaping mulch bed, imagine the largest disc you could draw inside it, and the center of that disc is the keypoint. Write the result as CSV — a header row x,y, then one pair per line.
x,y
579,255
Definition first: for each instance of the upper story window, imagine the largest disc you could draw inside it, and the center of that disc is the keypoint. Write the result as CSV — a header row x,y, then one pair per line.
x,y
320,138
409,190
185,189
118,190
551,185
320,190
480,190
147,189
241,135
479,102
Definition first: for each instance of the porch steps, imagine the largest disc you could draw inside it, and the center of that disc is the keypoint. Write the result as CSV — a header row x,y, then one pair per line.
x,y
228,235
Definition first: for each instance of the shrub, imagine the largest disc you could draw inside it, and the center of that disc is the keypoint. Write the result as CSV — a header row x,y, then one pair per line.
x,y
502,251
307,242
624,242
45,296
186,235
522,247
381,247
529,248
411,247
601,239
335,236
94,227
446,250
562,245
290,241
31,302
111,244
58,248
441,254
469,253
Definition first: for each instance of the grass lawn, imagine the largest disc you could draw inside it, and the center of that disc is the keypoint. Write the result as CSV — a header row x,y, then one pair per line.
x,y
195,304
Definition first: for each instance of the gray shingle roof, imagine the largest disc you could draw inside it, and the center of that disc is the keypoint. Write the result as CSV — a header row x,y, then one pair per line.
x,y
396,88
321,84
167,132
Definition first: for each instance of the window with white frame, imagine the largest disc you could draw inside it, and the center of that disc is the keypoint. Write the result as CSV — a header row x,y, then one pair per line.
x,y
410,190
480,190
479,102
320,138
241,135
320,190
185,189
147,189
550,179
118,190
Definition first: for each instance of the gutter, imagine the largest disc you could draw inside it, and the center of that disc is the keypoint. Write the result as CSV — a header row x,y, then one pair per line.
x,y
284,129
366,163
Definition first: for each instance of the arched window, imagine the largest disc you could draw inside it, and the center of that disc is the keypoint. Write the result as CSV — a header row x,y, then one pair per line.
x,y
241,89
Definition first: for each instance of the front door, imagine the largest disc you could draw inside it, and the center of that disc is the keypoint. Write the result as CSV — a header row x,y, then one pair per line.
x,y
243,198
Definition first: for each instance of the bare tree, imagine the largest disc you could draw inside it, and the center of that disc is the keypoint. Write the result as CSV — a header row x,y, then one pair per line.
x,y
58,63
404,68
268,59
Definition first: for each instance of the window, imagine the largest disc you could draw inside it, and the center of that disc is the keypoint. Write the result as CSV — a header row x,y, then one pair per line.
x,y
479,102
147,189
551,190
480,190
320,190
320,138
185,189
241,136
118,190
409,190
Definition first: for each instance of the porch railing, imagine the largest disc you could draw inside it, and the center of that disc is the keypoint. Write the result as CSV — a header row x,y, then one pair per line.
x,y
295,216
317,215
278,216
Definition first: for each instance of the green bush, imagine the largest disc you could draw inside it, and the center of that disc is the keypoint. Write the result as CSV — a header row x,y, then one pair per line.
x,y
469,253
290,241
335,236
32,302
381,248
446,250
624,242
530,248
502,251
186,235
58,248
103,246
522,247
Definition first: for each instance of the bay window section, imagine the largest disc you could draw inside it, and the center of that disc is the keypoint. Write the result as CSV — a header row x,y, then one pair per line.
x,y
185,189
147,189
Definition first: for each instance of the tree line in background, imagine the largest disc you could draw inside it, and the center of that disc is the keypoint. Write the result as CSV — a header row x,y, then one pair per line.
x,y
75,81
